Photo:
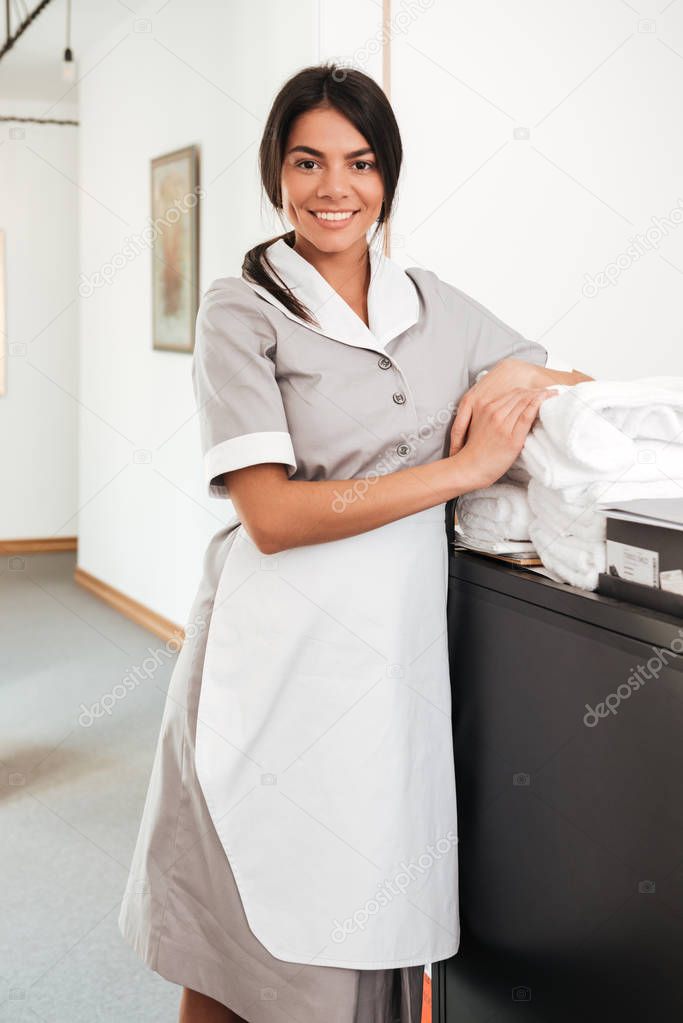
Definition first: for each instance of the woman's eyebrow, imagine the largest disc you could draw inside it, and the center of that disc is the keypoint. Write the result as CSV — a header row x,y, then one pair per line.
x,y
316,152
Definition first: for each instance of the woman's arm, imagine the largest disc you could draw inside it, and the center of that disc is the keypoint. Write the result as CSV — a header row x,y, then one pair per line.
x,y
512,372
540,376
280,513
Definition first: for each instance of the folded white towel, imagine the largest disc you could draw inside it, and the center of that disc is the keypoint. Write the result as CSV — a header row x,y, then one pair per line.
x,y
478,527
628,486
575,560
498,512
499,502
602,429
649,461
593,420
582,519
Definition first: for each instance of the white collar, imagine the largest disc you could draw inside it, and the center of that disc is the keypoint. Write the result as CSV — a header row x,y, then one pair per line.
x,y
393,302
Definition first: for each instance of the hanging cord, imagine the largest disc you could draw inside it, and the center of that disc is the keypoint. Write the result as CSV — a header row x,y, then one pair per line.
x,y
68,55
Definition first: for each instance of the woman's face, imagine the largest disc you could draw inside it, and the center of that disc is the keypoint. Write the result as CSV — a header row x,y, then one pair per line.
x,y
328,166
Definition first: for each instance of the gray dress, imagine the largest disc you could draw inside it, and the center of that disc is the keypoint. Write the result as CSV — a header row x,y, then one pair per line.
x,y
270,388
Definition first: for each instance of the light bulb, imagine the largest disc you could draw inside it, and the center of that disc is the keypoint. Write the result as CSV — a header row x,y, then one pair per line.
x,y
68,66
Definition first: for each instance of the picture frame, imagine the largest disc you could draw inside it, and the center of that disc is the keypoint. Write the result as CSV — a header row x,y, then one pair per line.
x,y
174,200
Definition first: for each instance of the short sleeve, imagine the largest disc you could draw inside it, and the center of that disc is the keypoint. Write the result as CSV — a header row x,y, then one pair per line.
x,y
488,339
241,415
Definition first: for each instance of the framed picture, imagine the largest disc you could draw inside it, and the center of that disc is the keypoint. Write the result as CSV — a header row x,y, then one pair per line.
x,y
3,319
175,249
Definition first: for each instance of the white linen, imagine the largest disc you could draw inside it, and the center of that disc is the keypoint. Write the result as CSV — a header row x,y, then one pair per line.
x,y
498,512
593,444
581,519
602,429
577,561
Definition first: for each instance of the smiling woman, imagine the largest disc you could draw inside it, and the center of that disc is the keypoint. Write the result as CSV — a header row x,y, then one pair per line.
x,y
297,857
330,160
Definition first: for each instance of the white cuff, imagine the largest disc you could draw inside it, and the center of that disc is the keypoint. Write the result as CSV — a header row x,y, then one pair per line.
x,y
247,449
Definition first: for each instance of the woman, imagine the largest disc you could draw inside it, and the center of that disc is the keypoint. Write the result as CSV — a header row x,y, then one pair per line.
x,y
297,856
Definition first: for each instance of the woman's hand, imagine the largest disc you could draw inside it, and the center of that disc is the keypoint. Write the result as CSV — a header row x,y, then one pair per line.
x,y
497,432
505,376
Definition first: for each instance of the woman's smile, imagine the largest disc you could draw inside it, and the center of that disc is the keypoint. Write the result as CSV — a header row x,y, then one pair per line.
x,y
333,219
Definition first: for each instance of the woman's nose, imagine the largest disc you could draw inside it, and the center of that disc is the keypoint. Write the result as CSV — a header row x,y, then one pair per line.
x,y
333,183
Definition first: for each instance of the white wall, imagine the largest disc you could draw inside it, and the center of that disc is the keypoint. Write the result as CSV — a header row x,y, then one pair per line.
x,y
518,223
202,73
39,411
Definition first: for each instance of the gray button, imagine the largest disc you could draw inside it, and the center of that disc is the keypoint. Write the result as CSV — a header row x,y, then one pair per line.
x,y
403,449
399,397
384,363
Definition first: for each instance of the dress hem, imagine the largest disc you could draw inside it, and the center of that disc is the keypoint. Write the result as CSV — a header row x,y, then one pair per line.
x,y
156,940
195,973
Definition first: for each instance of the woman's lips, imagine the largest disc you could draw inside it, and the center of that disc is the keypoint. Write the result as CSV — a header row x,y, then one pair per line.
x,y
333,224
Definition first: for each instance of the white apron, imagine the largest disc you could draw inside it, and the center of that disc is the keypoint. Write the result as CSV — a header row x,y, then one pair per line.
x,y
324,745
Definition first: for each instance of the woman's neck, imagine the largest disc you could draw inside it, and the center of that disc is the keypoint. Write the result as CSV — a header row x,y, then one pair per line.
x,y
348,271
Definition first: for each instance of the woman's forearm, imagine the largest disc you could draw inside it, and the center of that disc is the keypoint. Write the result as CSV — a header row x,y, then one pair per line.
x,y
542,377
280,513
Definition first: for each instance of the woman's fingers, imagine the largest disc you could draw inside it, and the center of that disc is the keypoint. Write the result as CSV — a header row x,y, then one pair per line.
x,y
459,428
523,416
515,396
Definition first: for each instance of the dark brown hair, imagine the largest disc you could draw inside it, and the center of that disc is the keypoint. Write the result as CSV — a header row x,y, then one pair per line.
x,y
359,98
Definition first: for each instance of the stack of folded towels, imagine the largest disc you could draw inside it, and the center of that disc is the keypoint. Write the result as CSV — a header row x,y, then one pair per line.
x,y
594,444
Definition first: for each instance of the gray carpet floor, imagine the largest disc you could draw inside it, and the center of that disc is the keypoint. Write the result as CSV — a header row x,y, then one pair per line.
x,y
71,795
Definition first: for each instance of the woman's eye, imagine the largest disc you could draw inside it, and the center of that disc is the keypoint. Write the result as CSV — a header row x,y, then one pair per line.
x,y
300,163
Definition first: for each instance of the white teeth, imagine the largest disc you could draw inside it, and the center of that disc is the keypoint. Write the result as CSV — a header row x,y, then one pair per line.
x,y
334,216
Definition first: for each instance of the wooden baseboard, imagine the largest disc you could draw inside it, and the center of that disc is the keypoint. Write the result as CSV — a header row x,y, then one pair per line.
x,y
37,545
139,613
